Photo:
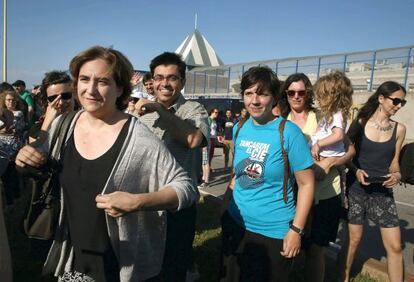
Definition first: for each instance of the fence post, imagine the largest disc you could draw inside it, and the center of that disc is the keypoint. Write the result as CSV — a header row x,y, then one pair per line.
x,y
228,83
345,61
215,89
371,82
194,82
407,67
319,68
297,66
276,67
205,81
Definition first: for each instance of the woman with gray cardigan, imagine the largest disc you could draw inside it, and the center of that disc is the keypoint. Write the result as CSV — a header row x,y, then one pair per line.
x,y
117,180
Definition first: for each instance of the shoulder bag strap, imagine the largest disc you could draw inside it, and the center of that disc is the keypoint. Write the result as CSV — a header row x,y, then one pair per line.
x,y
239,126
286,168
61,132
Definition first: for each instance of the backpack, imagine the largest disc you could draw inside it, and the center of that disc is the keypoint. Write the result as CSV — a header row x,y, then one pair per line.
x,y
407,163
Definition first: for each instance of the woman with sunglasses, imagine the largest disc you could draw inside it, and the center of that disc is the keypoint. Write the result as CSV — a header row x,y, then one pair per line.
x,y
117,179
133,99
297,97
56,90
374,172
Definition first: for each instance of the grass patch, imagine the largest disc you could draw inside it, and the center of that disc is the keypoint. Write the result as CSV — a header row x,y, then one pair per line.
x,y
207,241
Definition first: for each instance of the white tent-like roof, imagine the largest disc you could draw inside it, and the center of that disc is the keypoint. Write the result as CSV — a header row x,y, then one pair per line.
x,y
196,51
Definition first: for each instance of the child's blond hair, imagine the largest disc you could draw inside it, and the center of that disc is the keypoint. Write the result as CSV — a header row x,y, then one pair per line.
x,y
334,93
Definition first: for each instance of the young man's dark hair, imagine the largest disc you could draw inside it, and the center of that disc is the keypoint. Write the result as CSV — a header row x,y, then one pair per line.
x,y
19,83
169,58
147,77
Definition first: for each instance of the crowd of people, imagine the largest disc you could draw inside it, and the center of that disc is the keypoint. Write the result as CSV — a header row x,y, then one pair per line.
x,y
132,161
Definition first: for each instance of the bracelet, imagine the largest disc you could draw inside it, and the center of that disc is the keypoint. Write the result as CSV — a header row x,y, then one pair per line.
x,y
298,230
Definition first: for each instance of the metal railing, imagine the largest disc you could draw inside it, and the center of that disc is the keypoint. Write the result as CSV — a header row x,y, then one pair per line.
x,y
366,70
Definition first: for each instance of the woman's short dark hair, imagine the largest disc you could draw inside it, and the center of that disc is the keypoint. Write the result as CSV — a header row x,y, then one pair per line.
x,y
264,77
310,96
385,89
119,65
169,58
54,77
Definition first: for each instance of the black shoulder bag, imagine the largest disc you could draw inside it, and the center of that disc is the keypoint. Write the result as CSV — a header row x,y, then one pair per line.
x,y
42,216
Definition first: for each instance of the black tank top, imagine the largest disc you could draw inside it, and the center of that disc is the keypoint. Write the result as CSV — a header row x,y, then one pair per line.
x,y
375,159
82,180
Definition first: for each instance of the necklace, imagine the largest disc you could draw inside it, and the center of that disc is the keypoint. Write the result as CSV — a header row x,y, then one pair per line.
x,y
378,127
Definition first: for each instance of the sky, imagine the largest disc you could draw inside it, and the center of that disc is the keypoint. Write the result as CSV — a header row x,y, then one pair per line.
x,y
44,35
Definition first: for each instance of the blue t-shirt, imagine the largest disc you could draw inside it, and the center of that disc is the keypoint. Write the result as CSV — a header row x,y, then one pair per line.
x,y
257,202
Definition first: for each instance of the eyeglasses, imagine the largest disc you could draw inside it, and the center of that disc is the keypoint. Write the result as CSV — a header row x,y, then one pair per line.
x,y
169,78
397,101
292,93
64,96
133,100
10,100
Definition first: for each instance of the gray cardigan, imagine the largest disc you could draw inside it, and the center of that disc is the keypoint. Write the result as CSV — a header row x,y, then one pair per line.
x,y
138,238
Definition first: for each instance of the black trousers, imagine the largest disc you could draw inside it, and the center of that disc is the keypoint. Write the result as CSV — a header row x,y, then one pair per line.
x,y
178,257
248,256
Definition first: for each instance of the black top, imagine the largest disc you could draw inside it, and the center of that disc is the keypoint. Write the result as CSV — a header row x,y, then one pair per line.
x,y
375,158
82,180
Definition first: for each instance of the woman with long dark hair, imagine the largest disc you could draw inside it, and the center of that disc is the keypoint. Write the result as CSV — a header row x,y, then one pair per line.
x,y
375,172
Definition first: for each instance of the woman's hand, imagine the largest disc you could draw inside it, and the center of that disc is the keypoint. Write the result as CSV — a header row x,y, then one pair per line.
x,y
30,156
118,203
291,244
360,175
394,179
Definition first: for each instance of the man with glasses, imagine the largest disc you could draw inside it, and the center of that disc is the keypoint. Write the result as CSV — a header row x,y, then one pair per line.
x,y
183,126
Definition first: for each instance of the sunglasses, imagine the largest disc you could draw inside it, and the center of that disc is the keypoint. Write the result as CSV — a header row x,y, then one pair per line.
x,y
292,93
64,96
397,101
133,100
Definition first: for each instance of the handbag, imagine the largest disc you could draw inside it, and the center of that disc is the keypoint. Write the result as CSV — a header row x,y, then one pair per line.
x,y
43,212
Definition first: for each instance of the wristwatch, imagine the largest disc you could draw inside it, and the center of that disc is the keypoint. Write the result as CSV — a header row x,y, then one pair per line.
x,y
298,230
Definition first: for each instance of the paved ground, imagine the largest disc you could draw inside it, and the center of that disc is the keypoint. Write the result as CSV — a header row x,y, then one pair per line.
x,y
371,246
